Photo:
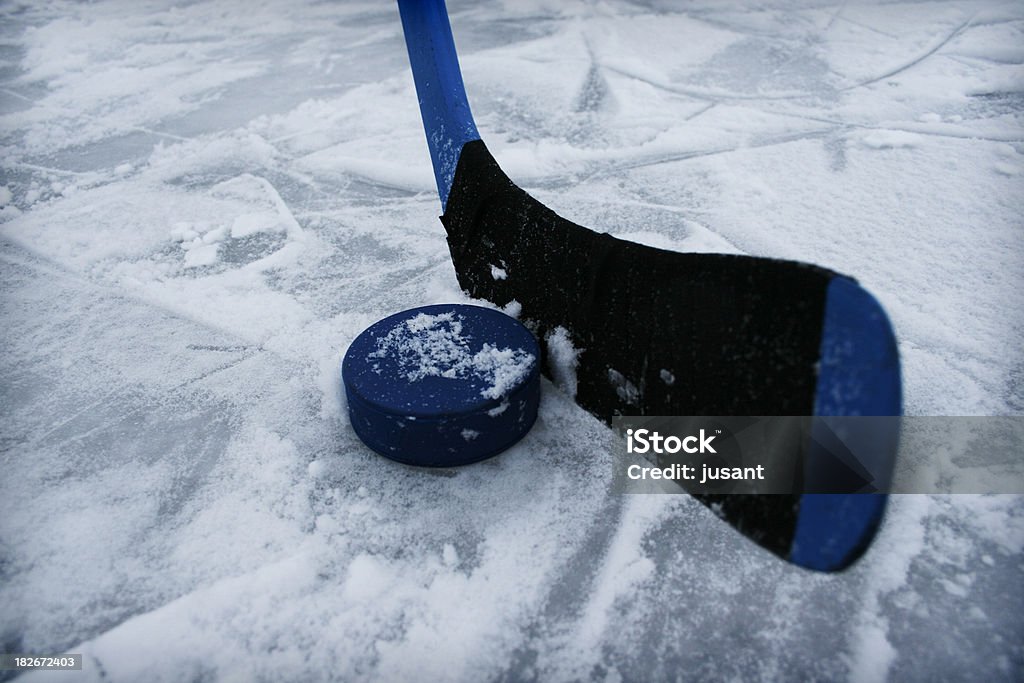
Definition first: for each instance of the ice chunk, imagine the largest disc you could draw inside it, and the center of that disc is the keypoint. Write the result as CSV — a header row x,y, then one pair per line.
x,y
563,359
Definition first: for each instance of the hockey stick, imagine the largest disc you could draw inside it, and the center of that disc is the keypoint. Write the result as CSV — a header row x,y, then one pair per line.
x,y
661,332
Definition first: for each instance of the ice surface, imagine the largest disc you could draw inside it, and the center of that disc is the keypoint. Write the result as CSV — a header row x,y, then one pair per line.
x,y
202,204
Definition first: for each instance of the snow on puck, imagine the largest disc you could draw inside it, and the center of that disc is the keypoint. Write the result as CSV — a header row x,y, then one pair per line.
x,y
442,385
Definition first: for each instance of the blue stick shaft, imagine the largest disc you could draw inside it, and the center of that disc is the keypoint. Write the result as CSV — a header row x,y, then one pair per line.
x,y
447,119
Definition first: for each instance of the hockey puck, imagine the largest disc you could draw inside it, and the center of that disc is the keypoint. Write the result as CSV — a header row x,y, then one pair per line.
x,y
442,385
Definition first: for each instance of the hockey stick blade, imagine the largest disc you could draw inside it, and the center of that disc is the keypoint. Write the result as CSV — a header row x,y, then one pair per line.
x,y
662,332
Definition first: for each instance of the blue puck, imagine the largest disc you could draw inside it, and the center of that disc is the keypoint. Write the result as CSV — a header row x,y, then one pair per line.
x,y
443,385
